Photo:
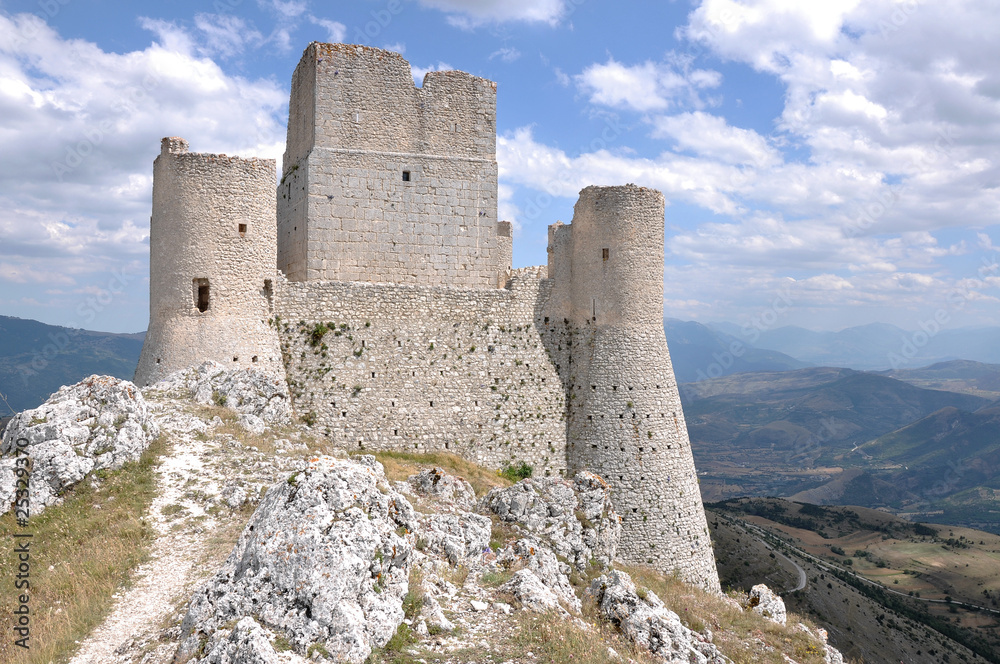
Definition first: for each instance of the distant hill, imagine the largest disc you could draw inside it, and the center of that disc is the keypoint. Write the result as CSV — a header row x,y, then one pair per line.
x,y
699,352
955,376
774,409
37,359
943,468
879,346
779,433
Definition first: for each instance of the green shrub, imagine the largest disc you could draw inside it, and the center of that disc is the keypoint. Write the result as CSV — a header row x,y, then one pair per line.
x,y
517,472
316,334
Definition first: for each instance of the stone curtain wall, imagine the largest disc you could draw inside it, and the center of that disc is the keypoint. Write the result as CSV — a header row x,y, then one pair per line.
x,y
423,369
387,182
200,204
605,334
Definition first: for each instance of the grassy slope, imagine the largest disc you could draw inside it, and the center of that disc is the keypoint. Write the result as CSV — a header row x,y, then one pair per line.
x,y
80,555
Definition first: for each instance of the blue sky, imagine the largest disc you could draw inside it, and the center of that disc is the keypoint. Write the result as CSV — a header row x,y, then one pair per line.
x,y
839,156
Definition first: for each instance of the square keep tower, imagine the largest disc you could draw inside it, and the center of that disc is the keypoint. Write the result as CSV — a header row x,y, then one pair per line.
x,y
387,182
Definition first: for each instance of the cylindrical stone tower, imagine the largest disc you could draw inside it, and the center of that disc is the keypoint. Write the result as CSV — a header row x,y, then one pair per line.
x,y
212,264
626,422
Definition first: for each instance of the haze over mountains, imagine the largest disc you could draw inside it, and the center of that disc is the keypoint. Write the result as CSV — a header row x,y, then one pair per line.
x,y
877,346
37,359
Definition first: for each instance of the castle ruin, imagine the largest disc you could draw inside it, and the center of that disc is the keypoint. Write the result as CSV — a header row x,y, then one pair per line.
x,y
376,279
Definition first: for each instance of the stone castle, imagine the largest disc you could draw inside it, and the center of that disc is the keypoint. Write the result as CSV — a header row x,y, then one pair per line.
x,y
377,281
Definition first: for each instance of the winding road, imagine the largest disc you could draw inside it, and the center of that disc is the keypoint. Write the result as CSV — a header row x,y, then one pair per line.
x,y
768,538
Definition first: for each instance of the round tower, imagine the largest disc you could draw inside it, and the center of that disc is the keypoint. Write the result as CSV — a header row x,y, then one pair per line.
x,y
626,422
212,263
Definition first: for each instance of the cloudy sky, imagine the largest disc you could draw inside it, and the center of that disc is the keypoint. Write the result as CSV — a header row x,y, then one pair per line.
x,y
837,156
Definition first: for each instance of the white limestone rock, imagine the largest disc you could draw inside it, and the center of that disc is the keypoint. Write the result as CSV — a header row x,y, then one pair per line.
x,y
550,586
575,517
246,644
433,615
646,622
258,397
767,604
457,536
99,423
450,492
528,589
830,654
322,560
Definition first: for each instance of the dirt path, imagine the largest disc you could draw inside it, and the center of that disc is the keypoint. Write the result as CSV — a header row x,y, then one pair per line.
x,y
144,623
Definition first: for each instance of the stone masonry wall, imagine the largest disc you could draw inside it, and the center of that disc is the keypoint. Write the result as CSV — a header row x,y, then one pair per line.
x,y
387,182
605,335
423,369
212,225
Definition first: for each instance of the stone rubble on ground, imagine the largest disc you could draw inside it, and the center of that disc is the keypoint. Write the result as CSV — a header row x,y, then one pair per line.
x,y
97,424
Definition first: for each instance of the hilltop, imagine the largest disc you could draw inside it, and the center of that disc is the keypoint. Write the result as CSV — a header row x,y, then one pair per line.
x,y
454,563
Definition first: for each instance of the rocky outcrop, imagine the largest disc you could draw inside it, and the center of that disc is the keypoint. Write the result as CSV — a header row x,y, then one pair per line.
x,y
767,604
246,643
325,566
456,536
830,654
322,562
575,517
539,582
259,398
449,493
646,622
98,424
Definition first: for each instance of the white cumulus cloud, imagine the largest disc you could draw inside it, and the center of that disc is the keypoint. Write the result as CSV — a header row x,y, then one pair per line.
x,y
648,86
81,129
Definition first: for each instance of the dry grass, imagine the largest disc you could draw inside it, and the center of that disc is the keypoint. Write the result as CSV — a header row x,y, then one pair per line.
x,y
80,556
400,465
743,636
556,640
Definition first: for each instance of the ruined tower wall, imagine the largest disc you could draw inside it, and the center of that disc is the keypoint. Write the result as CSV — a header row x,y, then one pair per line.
x,y
387,182
426,369
212,244
625,421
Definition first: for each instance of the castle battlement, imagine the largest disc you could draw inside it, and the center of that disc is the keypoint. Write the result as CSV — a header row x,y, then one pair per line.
x,y
387,182
377,280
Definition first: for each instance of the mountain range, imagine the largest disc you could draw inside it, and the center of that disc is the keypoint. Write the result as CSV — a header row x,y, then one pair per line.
x,y
37,359
877,346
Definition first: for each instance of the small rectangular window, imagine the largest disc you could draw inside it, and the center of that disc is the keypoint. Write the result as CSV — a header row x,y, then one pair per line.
x,y
406,176
604,254
243,229
201,294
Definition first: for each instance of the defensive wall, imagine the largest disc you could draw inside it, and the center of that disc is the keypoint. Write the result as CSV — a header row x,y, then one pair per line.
x,y
377,281
425,369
